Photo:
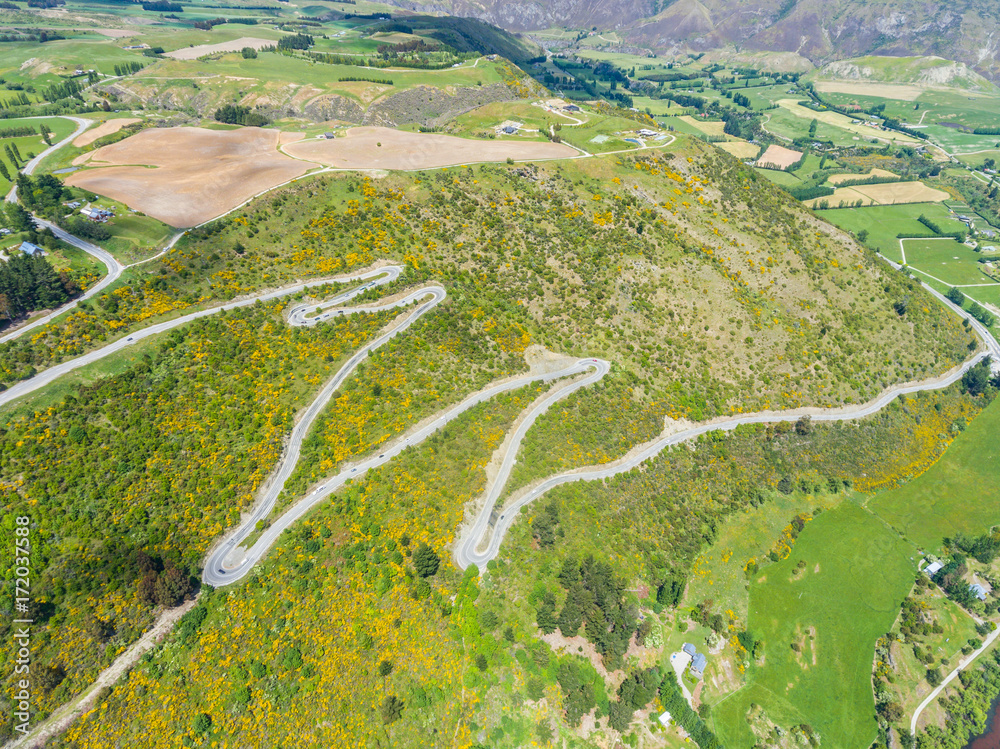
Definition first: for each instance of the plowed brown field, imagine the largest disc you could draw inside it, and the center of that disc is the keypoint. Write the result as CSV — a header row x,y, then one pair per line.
x,y
187,175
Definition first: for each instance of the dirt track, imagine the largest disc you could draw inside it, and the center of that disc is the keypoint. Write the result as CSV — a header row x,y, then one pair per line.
x,y
198,175
105,128
360,149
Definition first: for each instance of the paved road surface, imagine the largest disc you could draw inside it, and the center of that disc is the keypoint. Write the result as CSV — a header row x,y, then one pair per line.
x,y
114,268
81,125
381,276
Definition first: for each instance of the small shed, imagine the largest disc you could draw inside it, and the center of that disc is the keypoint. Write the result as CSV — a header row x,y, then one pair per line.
x,y
932,569
978,591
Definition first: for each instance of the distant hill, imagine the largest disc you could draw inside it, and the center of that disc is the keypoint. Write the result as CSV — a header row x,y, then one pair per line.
x,y
820,30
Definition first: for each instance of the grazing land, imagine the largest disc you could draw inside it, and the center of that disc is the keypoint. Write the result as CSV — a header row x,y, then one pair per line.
x,y
193,53
843,123
883,224
955,495
820,623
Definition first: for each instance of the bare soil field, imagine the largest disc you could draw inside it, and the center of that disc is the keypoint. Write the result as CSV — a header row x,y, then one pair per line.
x,y
105,128
384,148
902,192
709,128
848,196
193,53
740,149
778,157
899,91
184,176
836,179
887,194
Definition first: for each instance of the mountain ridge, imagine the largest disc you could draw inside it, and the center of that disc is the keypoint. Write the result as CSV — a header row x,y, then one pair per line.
x,y
966,31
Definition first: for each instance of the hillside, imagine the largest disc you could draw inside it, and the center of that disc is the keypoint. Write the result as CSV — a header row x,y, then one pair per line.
x,y
965,31
711,292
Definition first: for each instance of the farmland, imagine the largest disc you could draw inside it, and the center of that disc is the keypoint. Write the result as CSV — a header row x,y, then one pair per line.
x,y
199,173
952,497
557,227
384,148
834,608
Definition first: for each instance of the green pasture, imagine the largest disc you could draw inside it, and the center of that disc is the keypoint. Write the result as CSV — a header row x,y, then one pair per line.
x,y
63,56
656,107
884,222
762,97
985,294
979,157
270,67
958,494
29,145
856,573
938,112
949,261
718,571
174,39
681,126
778,177
785,123
960,142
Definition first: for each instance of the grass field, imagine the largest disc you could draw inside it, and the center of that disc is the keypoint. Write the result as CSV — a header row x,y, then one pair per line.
x,y
30,145
957,495
784,179
718,574
60,57
856,573
884,222
282,69
947,260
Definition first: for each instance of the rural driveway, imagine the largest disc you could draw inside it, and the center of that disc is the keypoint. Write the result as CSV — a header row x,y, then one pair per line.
x,y
44,378
962,664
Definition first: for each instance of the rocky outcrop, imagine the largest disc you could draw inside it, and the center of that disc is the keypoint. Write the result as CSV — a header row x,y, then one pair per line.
x,y
333,107
432,106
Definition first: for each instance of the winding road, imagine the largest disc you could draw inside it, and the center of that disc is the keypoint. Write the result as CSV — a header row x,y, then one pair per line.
x,y
229,562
